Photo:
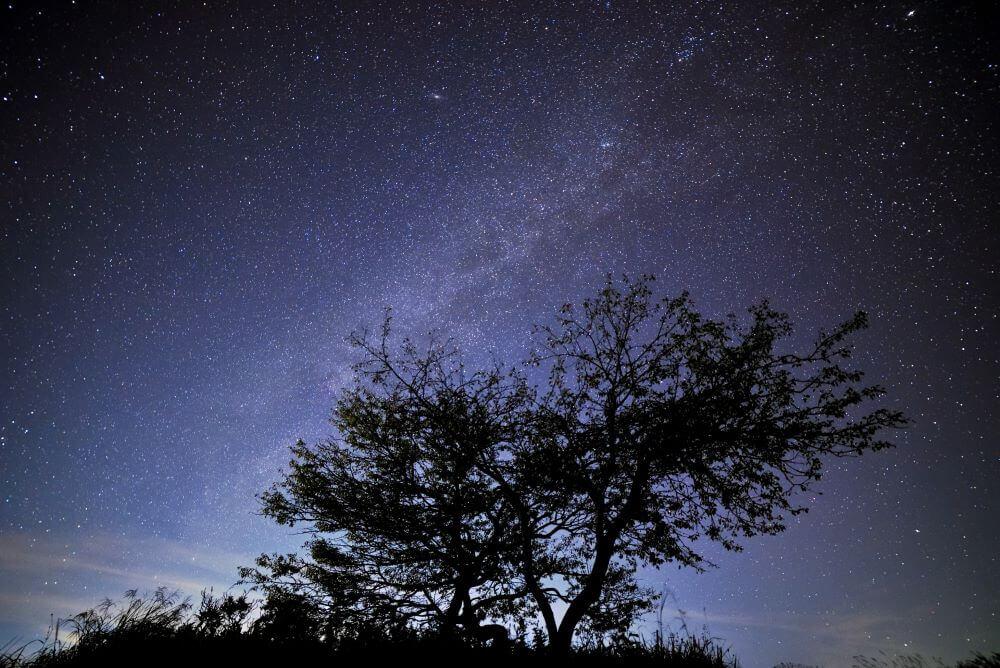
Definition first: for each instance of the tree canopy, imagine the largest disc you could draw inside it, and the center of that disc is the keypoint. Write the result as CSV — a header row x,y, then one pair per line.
x,y
637,431
405,526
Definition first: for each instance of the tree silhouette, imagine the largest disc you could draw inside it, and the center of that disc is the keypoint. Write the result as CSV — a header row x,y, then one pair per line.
x,y
406,528
450,497
658,427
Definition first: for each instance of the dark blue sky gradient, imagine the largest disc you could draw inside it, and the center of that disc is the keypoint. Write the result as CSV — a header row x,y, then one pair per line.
x,y
200,202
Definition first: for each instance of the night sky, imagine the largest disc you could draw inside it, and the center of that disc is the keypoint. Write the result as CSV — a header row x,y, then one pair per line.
x,y
198,201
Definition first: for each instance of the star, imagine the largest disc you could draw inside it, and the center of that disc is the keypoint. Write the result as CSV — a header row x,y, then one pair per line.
x,y
184,254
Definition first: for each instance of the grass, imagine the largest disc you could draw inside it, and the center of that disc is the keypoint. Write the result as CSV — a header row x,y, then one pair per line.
x,y
978,660
164,629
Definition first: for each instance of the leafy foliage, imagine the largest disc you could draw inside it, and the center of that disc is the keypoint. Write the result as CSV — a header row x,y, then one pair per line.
x,y
405,528
659,427
450,497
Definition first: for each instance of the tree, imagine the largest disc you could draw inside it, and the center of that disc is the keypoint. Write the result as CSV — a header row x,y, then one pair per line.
x,y
450,497
658,427
405,529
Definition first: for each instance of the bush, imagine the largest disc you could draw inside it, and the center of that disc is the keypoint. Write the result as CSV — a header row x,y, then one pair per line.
x,y
286,629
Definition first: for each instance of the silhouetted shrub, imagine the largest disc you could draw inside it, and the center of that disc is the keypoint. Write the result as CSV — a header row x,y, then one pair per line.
x,y
164,629
288,630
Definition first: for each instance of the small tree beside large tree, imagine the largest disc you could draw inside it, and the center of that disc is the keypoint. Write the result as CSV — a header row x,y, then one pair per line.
x,y
452,497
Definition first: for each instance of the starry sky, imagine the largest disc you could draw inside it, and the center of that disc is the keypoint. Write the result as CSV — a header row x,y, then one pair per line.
x,y
200,200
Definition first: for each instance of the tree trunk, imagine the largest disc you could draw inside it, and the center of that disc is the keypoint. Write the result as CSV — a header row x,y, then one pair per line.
x,y
562,641
453,613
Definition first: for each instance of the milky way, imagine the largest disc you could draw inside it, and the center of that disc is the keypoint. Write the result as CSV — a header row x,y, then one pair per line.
x,y
200,202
